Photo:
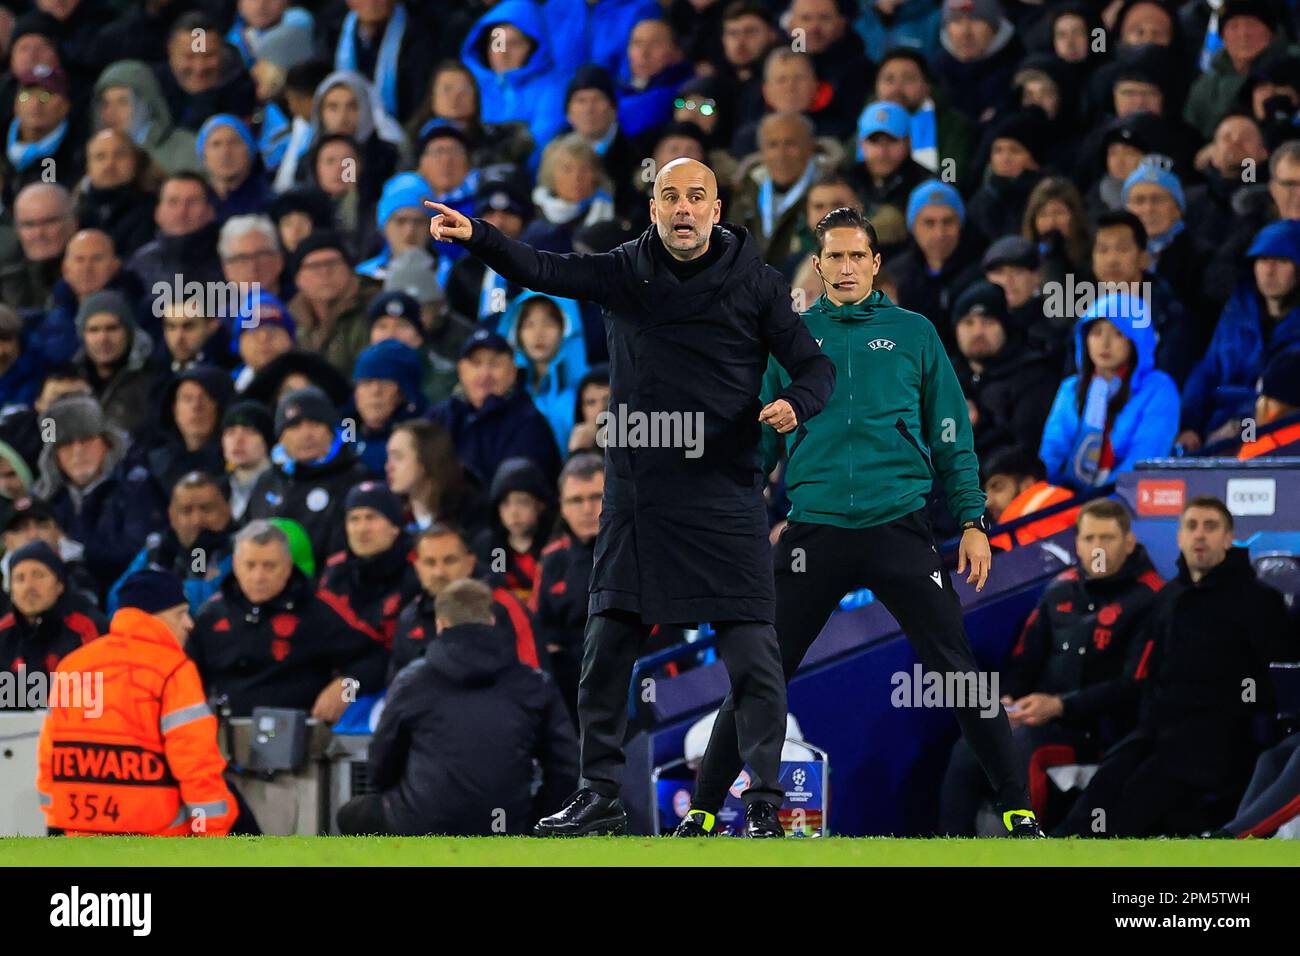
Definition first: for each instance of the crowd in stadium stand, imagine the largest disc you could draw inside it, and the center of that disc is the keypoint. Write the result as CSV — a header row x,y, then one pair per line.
x,y
1096,204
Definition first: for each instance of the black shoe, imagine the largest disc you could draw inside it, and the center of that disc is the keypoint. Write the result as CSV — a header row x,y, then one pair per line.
x,y
1023,824
696,823
586,814
761,821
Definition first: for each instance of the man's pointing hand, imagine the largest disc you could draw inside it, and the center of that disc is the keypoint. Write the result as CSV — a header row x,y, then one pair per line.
x,y
448,225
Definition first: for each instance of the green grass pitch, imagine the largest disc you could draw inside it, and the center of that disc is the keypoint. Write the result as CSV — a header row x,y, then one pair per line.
x,y
636,851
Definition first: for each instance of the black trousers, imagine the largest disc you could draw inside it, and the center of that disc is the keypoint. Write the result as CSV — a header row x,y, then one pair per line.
x,y
965,787
363,815
1138,792
749,651
816,565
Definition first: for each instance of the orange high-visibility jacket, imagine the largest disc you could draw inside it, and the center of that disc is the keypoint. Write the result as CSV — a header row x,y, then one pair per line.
x,y
1036,497
1267,444
141,755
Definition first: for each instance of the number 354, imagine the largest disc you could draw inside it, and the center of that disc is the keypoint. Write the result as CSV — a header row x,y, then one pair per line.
x,y
87,806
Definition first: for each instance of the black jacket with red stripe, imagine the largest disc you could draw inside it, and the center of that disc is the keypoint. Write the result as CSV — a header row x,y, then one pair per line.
x,y
375,588
36,645
282,653
560,595
1081,643
416,627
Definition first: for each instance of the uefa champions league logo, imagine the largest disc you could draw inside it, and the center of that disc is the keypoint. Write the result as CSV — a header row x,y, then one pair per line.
x,y
799,776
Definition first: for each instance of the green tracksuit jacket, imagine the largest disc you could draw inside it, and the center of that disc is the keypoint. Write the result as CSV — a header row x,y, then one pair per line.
x,y
896,419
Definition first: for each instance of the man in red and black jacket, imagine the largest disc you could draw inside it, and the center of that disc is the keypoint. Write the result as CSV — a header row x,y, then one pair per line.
x,y
268,639
441,557
48,620
375,576
1072,682
560,594
1207,644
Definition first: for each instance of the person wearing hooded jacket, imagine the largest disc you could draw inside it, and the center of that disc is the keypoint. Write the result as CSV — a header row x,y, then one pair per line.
x,y
189,434
377,134
684,529
116,362
500,545
1260,320
1075,671
150,123
523,82
463,732
313,471
547,334
97,495
1119,408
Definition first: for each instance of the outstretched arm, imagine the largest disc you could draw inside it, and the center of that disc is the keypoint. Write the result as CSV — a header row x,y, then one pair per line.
x,y
574,276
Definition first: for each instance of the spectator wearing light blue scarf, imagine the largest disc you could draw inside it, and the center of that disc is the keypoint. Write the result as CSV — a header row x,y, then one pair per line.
x,y
1119,409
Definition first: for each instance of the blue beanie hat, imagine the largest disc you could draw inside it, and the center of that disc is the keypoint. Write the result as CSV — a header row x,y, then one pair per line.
x,y
151,591
403,191
933,192
1277,240
1153,171
264,308
391,361
235,123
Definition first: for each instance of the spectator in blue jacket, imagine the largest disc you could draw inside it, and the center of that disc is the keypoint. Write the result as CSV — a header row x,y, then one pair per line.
x,y
648,84
1119,408
490,416
597,32
886,24
549,346
100,498
1261,319
518,76
387,391
22,369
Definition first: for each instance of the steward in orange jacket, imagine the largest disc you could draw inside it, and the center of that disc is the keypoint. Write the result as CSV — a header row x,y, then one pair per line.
x,y
137,753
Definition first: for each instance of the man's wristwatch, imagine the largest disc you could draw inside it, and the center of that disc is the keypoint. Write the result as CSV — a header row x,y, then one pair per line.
x,y
980,524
